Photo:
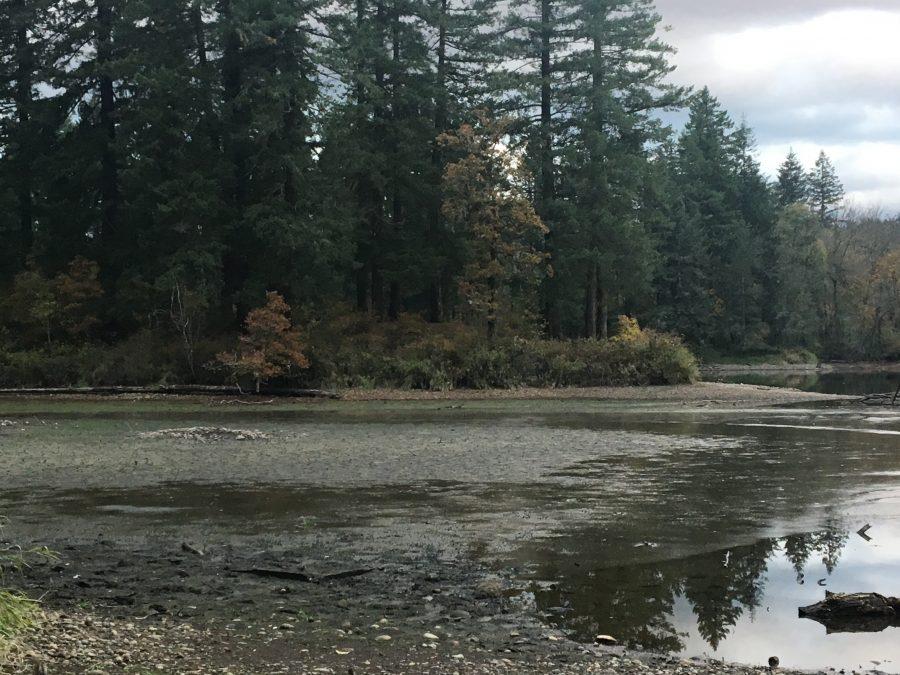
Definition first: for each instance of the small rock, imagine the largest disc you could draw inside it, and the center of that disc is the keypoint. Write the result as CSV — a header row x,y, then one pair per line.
x,y
430,636
491,587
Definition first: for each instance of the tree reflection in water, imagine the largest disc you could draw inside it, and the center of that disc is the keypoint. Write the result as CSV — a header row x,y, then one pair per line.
x,y
637,602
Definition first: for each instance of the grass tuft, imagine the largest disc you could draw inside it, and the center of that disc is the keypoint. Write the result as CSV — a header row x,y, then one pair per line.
x,y
17,612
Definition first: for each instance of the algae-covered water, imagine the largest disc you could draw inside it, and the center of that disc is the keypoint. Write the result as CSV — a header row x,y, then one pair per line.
x,y
686,530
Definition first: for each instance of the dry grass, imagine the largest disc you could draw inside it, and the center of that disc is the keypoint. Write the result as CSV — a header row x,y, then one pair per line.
x,y
17,615
17,612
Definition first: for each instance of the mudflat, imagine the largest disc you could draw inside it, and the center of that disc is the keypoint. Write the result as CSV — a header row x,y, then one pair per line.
x,y
409,536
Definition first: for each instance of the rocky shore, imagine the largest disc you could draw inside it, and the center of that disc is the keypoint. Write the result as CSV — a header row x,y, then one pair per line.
x,y
169,609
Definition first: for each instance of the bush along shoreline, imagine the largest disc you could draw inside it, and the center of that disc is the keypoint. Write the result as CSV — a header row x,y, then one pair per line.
x,y
355,351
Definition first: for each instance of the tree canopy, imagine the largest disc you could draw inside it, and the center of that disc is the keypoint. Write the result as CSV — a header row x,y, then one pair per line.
x,y
166,165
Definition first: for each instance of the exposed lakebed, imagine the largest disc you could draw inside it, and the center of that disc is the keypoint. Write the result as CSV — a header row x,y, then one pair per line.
x,y
685,530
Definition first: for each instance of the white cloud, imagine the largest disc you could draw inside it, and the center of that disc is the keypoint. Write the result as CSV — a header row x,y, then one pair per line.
x,y
812,74
870,171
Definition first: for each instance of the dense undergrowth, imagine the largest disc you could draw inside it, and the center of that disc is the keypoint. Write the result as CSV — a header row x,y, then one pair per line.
x,y
772,357
358,351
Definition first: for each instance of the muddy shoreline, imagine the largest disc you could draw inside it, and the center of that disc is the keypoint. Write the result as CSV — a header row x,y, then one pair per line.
x,y
826,367
323,545
707,393
111,609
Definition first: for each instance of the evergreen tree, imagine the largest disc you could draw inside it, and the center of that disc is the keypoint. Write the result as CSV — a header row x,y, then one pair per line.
x,y
23,53
800,273
463,57
715,165
538,35
756,203
617,70
166,163
825,190
792,187
268,71
684,304
171,199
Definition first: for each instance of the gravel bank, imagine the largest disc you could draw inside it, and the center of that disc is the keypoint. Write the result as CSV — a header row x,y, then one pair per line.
x,y
81,642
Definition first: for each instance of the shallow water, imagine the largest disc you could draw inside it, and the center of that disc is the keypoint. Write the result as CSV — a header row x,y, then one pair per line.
x,y
848,383
691,531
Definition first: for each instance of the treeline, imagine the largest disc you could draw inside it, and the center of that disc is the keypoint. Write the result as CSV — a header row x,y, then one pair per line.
x,y
166,163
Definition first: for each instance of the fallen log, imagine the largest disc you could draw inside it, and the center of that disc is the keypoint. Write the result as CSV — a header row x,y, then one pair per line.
x,y
854,612
302,576
882,399
172,390
277,574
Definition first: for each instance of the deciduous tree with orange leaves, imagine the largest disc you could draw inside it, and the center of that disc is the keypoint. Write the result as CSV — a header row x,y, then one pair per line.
x,y
269,347
484,195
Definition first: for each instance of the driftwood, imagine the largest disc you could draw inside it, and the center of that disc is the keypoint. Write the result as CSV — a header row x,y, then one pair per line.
x,y
854,612
302,576
882,399
277,574
172,390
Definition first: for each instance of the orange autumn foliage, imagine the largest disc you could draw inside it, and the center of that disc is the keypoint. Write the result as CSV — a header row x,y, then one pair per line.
x,y
269,347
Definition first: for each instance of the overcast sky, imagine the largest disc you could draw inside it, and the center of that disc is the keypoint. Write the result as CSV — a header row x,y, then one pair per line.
x,y
807,74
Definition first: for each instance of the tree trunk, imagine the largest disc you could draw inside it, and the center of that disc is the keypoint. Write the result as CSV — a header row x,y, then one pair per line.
x,y
394,301
492,294
199,34
362,289
363,190
290,124
435,221
590,304
376,221
23,102
547,188
397,115
604,315
109,169
435,307
234,113
377,290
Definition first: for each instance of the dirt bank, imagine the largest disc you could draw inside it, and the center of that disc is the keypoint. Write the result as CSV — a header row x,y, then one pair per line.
x,y
706,393
800,368
702,393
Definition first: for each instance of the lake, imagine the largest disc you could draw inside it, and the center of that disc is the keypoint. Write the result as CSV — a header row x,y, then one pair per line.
x,y
678,529
839,382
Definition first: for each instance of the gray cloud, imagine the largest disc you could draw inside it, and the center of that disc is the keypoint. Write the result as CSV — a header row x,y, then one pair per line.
x,y
692,16
803,77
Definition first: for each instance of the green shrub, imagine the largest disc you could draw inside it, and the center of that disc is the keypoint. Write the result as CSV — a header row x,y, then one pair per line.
x,y
446,360
357,351
141,359
61,366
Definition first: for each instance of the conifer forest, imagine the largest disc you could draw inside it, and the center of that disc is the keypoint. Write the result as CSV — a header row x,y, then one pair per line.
x,y
417,192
